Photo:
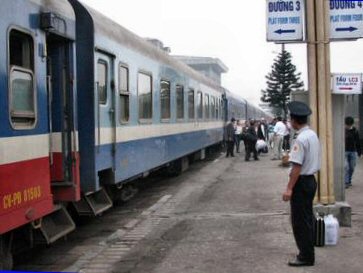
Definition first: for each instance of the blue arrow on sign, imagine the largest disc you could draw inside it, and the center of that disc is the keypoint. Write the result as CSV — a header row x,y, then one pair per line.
x,y
350,29
282,31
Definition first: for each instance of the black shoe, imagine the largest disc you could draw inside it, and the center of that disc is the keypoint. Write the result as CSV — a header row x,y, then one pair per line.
x,y
232,155
247,159
297,263
257,159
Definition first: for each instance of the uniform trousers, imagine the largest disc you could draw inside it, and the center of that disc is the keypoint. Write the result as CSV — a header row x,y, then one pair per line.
x,y
230,147
302,218
251,148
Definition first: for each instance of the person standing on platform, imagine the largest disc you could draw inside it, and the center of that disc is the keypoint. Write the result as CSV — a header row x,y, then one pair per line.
x,y
271,127
238,135
352,150
305,157
286,139
262,130
230,138
251,140
279,132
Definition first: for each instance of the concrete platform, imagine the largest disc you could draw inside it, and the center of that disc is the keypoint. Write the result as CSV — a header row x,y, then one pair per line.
x,y
223,215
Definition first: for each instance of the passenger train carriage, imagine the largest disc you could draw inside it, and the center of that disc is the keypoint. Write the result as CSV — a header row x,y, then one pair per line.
x,y
87,107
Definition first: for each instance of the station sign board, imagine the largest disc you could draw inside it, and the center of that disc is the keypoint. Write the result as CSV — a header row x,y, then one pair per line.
x,y
347,84
346,19
285,20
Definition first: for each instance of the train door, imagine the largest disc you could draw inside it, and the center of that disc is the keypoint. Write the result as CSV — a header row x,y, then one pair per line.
x,y
63,140
105,104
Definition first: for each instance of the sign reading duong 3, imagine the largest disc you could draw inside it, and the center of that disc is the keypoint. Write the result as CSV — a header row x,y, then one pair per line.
x,y
285,20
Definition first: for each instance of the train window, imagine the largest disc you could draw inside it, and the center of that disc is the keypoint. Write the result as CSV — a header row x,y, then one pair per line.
x,y
217,108
180,101
165,99
124,94
213,107
144,89
21,50
102,81
206,106
22,89
191,110
200,105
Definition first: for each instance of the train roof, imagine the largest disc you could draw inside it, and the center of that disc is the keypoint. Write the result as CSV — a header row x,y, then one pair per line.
x,y
61,7
107,27
230,94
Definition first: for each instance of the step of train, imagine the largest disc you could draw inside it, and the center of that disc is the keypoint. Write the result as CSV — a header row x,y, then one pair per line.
x,y
56,225
93,204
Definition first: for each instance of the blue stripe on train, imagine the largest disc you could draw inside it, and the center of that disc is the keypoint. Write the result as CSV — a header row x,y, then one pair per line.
x,y
135,157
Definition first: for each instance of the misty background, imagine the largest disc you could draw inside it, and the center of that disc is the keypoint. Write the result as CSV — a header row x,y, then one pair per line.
x,y
233,31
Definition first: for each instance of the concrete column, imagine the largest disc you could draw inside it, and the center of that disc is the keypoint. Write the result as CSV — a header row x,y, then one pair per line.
x,y
339,147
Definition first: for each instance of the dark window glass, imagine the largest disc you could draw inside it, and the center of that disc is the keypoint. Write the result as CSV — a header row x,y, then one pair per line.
x,y
102,81
206,106
124,94
217,108
213,107
200,105
145,96
21,50
191,109
165,99
180,101
22,91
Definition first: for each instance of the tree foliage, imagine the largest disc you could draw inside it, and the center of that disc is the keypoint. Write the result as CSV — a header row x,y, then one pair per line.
x,y
281,81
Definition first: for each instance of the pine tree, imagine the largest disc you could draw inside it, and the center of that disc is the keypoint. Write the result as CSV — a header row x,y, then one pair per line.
x,y
281,81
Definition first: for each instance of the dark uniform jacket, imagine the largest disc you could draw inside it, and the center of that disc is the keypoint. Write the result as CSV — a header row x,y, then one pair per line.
x,y
230,132
352,141
251,134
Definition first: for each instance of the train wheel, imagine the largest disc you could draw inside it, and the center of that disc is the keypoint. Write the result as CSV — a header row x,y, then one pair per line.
x,y
6,261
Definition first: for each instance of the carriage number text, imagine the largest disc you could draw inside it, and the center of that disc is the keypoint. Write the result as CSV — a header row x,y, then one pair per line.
x,y
17,198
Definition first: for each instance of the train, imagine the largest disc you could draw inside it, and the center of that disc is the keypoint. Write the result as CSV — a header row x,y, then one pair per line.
x,y
87,107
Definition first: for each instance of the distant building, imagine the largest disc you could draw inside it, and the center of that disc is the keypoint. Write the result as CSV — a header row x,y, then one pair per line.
x,y
210,67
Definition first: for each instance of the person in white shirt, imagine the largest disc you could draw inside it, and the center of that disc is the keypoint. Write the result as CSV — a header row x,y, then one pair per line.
x,y
279,133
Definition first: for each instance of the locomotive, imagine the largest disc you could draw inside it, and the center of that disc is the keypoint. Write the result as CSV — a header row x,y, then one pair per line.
x,y
87,107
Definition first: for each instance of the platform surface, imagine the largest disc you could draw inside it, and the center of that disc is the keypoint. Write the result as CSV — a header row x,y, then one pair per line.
x,y
222,215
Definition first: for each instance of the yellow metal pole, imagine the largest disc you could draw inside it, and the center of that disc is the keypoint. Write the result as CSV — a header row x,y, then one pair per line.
x,y
322,86
312,75
329,114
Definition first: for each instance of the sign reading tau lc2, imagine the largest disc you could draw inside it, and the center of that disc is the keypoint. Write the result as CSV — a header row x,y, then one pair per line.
x,y
346,19
347,84
285,20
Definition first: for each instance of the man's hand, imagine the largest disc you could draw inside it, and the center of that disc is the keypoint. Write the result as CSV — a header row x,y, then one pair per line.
x,y
286,196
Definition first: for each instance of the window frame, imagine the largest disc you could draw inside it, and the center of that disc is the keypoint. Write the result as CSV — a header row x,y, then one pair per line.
x,y
162,119
201,104
104,62
10,69
123,92
145,120
206,106
194,112
176,101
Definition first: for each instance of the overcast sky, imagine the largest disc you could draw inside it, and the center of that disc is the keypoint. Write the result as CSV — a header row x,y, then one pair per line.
x,y
233,31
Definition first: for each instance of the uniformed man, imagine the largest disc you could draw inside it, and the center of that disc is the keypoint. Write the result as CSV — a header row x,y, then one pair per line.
x,y
305,158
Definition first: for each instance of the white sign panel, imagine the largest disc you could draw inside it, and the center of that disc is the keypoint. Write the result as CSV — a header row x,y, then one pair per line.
x,y
346,19
347,84
285,20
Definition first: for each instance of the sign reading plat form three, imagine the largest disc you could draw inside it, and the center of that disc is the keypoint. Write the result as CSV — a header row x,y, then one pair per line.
x,y
285,20
347,84
346,19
